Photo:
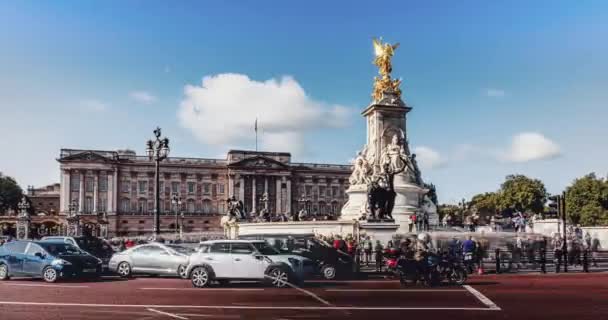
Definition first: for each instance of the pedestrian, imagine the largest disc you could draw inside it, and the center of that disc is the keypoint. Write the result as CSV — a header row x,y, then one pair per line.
x,y
367,248
412,223
595,247
557,251
378,256
542,260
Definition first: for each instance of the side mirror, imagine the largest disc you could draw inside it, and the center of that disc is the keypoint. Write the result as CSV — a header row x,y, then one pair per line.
x,y
39,255
258,256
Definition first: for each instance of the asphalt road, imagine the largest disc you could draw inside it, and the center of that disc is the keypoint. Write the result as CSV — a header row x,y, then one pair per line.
x,y
572,296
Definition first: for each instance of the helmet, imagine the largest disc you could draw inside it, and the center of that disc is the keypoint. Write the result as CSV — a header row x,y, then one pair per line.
x,y
424,237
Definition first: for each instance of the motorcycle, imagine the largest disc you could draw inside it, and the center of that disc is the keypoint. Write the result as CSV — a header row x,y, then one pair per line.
x,y
432,270
452,270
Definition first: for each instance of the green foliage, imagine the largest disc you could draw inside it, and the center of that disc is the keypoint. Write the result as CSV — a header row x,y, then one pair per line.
x,y
521,193
586,201
485,204
451,209
10,193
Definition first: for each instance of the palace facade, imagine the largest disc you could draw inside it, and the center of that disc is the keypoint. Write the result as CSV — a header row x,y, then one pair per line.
x,y
112,192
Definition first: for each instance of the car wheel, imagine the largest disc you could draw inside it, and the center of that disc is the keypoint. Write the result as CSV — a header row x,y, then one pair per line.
x,y
3,272
328,272
458,277
279,277
49,274
124,269
181,272
200,277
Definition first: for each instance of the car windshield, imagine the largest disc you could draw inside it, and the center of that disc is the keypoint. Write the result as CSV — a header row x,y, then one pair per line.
x,y
58,249
265,249
181,249
95,246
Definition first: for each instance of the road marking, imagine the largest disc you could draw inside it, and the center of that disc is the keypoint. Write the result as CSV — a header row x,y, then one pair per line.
x,y
314,296
42,285
216,316
394,290
94,305
204,289
482,298
167,314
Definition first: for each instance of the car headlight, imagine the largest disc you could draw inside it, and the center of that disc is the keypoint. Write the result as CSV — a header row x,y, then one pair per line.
x,y
60,262
294,262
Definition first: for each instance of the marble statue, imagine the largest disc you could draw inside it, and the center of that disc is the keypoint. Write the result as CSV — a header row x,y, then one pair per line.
x,y
362,170
394,154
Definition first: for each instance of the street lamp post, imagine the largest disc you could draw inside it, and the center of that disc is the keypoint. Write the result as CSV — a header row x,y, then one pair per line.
x,y
177,203
157,150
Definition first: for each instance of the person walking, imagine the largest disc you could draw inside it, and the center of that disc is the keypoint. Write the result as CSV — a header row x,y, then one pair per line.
x,y
595,247
378,255
367,249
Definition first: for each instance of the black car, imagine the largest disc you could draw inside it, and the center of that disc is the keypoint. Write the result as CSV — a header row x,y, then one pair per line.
x,y
331,263
97,247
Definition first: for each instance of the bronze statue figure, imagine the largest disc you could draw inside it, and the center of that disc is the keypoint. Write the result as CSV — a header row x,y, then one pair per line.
x,y
381,192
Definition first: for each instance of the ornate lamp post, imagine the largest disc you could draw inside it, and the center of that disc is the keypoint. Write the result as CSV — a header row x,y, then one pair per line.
x,y
23,220
157,150
177,204
72,218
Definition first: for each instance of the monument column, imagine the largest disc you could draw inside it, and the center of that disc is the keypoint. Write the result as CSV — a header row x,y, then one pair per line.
x,y
253,195
95,191
278,195
81,193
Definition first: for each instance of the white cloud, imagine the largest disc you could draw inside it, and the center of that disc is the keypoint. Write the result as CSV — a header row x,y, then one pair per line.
x,y
142,97
428,158
93,105
492,92
223,109
529,146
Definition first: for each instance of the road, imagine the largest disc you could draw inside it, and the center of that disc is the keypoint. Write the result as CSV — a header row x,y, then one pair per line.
x,y
571,296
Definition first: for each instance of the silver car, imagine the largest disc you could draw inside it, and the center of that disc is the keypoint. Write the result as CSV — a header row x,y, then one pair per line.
x,y
152,259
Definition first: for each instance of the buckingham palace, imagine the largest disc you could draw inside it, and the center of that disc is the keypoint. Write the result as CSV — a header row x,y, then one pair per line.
x,y
112,192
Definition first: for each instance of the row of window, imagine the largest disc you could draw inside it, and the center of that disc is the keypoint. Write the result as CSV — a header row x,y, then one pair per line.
x,y
144,206
321,191
89,183
191,187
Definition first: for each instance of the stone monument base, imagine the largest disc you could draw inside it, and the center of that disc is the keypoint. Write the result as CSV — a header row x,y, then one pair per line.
x,y
382,231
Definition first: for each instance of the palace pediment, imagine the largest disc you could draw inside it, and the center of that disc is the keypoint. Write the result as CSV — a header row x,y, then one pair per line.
x,y
88,156
258,162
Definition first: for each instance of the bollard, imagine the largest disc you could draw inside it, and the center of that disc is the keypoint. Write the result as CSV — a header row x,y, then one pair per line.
x,y
497,254
585,260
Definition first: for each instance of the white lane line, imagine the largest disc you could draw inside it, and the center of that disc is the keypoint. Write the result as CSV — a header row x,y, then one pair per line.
x,y
94,305
394,290
314,296
204,289
42,285
482,298
167,314
215,316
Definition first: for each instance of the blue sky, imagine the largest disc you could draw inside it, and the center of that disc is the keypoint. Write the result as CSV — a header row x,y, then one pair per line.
x,y
497,87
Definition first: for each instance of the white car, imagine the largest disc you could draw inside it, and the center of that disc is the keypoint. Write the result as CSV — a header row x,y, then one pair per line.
x,y
226,260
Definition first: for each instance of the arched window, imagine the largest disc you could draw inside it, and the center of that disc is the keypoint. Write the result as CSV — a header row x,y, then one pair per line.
x,y
206,206
322,207
88,204
334,208
190,204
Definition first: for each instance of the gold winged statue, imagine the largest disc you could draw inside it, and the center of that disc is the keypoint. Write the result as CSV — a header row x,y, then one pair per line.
x,y
384,53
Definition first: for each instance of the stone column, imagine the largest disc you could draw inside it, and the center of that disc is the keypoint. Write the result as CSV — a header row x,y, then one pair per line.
x,y
253,195
64,200
230,185
288,206
265,184
81,193
115,187
242,188
278,195
95,191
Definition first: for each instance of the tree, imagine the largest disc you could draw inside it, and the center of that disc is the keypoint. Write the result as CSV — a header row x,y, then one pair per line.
x,y
485,204
586,201
521,193
451,209
10,193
